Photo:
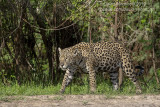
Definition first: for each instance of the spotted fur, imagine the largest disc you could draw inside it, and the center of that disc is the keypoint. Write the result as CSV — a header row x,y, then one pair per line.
x,y
96,57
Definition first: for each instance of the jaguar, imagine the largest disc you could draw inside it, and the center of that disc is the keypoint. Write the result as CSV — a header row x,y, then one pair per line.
x,y
97,57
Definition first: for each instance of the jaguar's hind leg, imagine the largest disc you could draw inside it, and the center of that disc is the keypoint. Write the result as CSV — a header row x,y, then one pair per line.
x,y
130,73
114,79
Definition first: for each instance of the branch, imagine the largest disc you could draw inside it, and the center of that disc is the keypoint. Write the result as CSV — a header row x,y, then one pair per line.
x,y
51,28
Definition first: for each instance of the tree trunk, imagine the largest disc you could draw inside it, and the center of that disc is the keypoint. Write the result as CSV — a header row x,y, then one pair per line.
x,y
116,39
154,61
47,40
89,24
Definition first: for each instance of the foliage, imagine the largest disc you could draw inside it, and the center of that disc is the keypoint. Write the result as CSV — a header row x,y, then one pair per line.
x,y
32,30
103,87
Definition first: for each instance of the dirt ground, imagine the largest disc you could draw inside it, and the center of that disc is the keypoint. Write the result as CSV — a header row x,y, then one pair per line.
x,y
81,101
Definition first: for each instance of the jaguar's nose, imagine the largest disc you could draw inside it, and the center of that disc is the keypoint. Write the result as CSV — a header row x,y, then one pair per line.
x,y
61,65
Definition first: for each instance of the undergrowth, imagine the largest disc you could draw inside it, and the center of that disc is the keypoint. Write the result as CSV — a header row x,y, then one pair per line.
x,y
103,87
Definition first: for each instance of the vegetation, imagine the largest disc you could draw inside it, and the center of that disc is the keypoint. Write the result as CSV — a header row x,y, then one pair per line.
x,y
103,87
32,30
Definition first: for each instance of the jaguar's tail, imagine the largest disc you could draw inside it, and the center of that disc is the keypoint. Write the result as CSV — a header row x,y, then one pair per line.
x,y
141,70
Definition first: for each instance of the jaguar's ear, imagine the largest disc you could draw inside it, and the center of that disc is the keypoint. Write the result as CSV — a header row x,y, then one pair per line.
x,y
59,49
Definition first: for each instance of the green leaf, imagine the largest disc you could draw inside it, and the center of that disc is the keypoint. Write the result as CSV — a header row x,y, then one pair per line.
x,y
143,21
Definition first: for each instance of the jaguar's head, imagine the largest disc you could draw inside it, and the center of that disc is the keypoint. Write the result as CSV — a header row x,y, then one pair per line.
x,y
67,57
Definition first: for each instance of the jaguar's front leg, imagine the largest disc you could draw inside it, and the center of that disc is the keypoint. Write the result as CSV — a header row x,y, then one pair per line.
x,y
92,77
66,80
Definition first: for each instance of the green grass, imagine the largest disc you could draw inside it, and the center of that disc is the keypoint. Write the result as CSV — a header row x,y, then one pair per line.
x,y
103,87
28,89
